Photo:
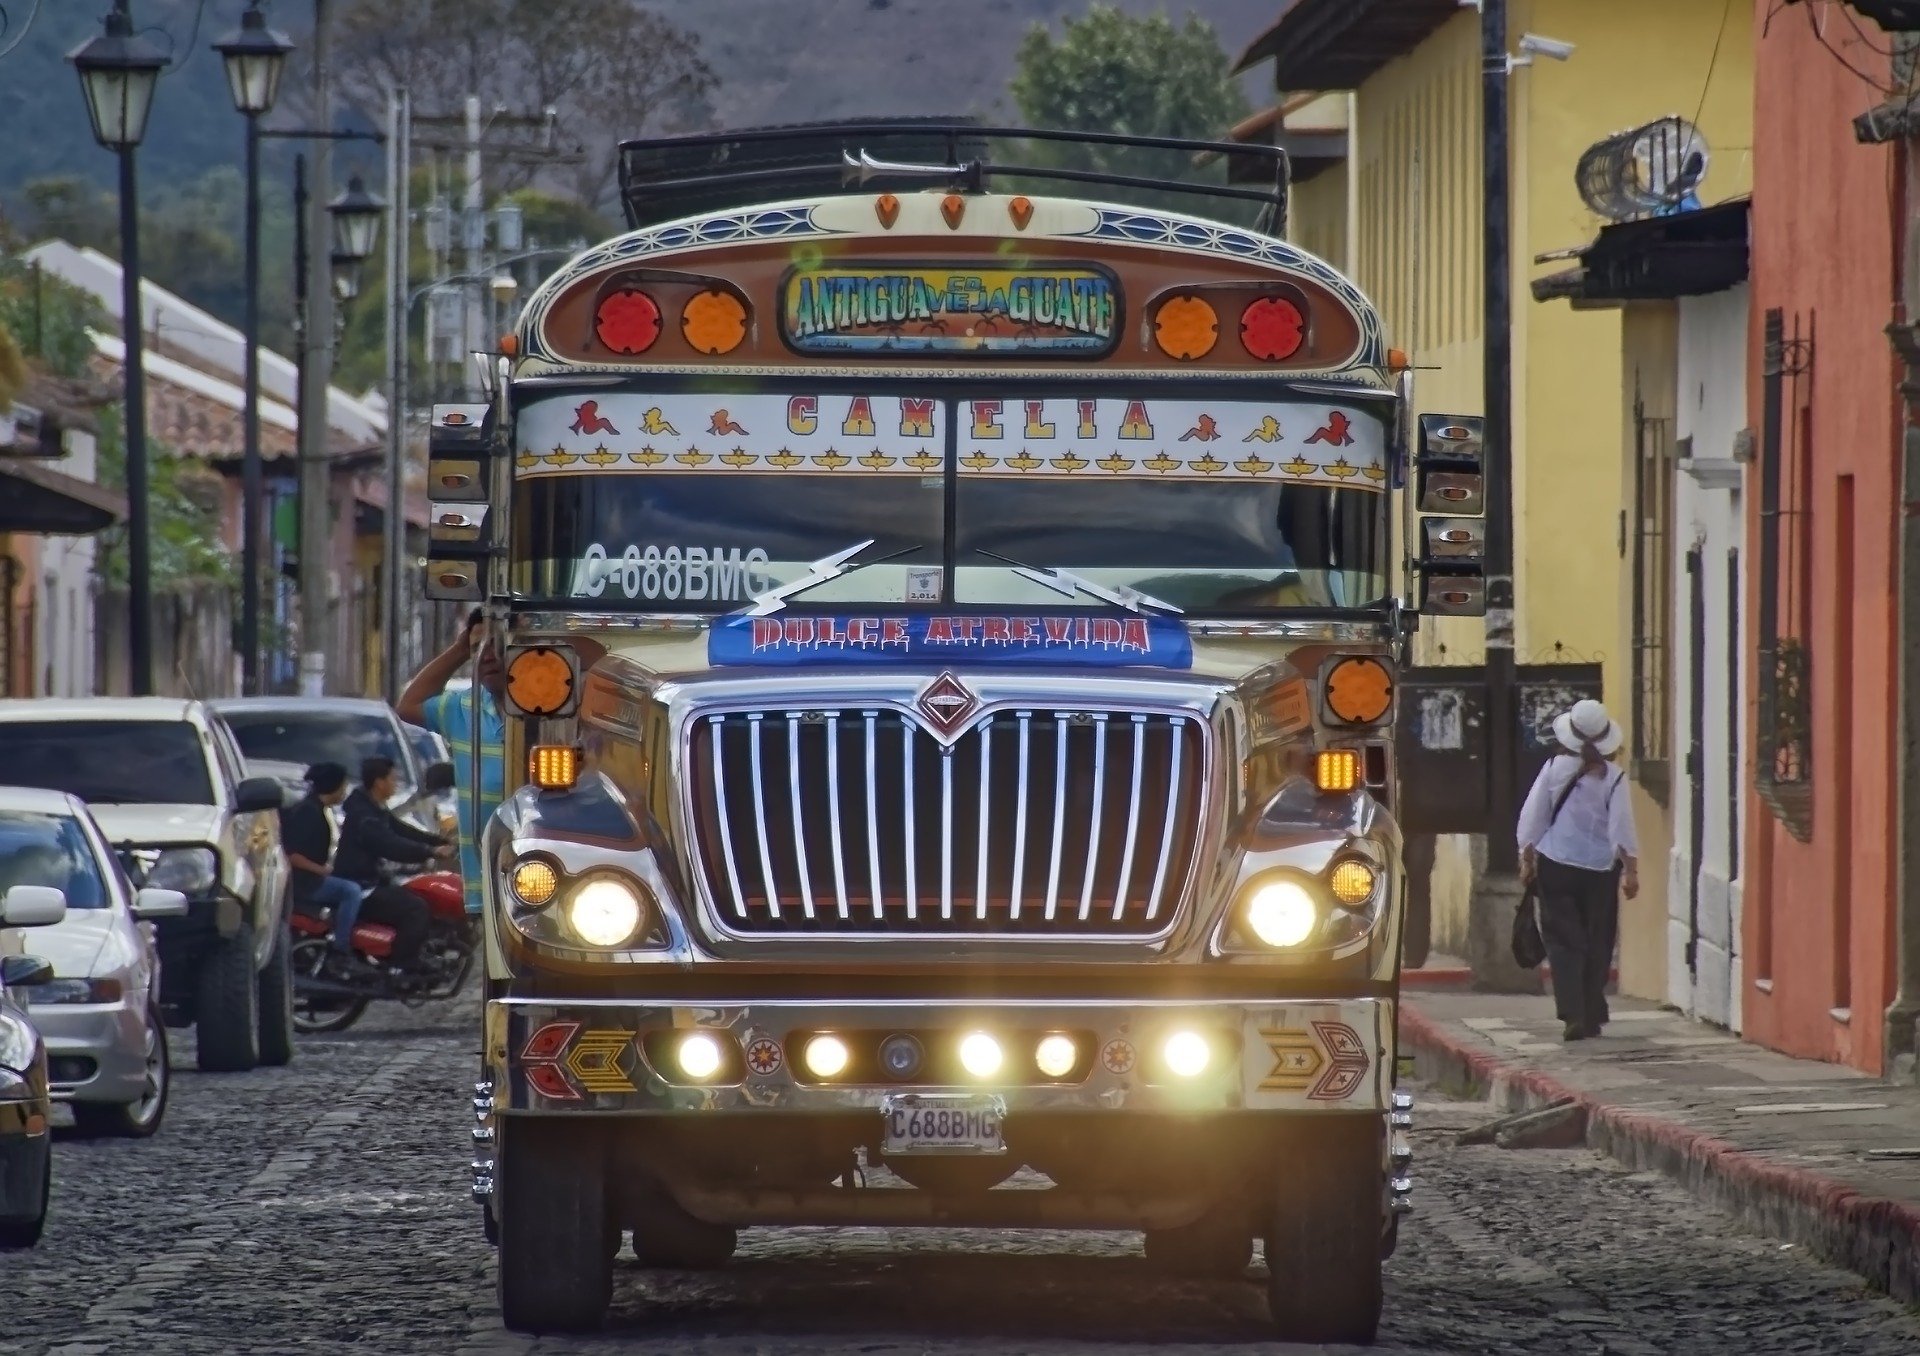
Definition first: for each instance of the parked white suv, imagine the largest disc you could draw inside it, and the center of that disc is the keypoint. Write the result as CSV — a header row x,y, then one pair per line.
x,y
168,786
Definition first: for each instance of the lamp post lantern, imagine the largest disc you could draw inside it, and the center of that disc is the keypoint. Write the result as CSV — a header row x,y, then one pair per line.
x,y
356,217
255,57
119,70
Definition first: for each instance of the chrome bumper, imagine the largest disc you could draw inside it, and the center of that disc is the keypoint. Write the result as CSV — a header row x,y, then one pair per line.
x,y
1301,1056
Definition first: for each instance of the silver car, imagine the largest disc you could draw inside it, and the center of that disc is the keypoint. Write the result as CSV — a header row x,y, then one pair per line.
x,y
100,1013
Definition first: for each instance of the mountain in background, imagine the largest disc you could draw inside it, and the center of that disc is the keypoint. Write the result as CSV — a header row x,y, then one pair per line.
x,y
779,61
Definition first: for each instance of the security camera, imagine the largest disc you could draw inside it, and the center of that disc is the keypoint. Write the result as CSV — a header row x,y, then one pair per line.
x,y
1536,45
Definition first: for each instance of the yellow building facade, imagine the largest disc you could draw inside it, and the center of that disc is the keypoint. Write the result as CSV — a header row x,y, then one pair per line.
x,y
1404,218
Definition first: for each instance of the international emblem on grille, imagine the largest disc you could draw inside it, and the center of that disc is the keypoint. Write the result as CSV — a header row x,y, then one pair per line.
x,y
947,705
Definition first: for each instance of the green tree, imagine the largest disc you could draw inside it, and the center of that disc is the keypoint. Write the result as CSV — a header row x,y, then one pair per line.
x,y
1111,72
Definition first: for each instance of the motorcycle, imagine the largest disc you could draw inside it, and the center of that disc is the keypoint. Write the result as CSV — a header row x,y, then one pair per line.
x,y
332,988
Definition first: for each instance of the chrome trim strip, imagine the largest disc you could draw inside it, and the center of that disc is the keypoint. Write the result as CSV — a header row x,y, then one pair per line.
x,y
718,726
946,833
1170,808
755,720
833,795
986,783
913,848
1099,797
799,815
541,621
873,818
1124,881
1021,802
1059,809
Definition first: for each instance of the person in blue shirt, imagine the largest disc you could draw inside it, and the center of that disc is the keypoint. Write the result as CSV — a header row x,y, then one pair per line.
x,y
451,715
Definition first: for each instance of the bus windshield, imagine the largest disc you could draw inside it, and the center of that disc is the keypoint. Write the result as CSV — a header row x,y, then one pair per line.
x,y
1228,506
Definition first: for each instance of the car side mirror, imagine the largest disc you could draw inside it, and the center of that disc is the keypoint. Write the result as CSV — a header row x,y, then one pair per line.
x,y
23,972
151,904
436,778
32,906
257,794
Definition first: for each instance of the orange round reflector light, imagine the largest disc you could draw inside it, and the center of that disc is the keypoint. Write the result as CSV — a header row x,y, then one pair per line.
x,y
1186,328
627,322
539,682
1272,329
510,345
1359,691
714,322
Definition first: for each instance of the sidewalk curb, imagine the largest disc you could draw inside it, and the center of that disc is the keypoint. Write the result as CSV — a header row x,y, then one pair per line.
x,y
1876,1238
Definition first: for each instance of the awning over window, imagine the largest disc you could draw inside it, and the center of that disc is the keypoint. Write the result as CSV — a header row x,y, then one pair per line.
x,y
38,499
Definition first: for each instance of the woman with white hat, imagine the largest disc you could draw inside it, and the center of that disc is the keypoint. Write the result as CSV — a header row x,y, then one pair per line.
x,y
1578,849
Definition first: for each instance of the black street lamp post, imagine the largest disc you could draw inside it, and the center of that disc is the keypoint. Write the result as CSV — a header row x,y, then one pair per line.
x,y
119,70
255,56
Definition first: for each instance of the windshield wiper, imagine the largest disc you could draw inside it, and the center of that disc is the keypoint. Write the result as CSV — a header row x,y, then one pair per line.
x,y
1068,584
819,572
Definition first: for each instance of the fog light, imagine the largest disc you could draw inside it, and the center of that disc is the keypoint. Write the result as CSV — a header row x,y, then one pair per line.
x,y
900,1056
827,1057
980,1055
1281,913
1352,882
535,882
1187,1054
1056,1055
699,1056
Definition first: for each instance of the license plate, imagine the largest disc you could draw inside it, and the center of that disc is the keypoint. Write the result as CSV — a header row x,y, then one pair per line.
x,y
916,1123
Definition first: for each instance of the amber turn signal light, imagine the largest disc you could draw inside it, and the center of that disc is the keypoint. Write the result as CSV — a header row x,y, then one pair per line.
x,y
1186,327
1336,770
540,681
553,767
1359,691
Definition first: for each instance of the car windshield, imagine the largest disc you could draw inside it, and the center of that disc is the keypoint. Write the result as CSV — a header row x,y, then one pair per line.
x,y
426,747
319,735
1225,506
38,849
110,762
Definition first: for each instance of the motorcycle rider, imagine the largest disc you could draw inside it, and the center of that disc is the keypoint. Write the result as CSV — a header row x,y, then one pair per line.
x,y
308,835
374,835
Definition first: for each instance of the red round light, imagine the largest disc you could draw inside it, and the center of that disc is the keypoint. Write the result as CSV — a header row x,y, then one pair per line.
x,y
1272,329
627,322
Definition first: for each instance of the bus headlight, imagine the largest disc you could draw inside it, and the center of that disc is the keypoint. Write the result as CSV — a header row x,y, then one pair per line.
x,y
604,912
1281,913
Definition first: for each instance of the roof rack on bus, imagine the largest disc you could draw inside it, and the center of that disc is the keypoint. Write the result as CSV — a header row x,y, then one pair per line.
x,y
666,177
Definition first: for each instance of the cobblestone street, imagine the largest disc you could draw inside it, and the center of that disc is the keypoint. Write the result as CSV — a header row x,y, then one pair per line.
x,y
323,1208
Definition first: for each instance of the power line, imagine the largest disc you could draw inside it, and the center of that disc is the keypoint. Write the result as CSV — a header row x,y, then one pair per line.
x,y
1712,62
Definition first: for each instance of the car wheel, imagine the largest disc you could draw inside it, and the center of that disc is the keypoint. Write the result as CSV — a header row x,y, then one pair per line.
x,y
555,1271
141,1117
226,1005
23,1231
1324,1242
276,1004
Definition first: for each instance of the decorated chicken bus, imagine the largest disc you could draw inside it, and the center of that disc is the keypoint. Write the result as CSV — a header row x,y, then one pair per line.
x,y
950,635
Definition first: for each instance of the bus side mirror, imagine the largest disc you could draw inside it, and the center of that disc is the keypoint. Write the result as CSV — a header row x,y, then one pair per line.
x,y
1450,502
460,466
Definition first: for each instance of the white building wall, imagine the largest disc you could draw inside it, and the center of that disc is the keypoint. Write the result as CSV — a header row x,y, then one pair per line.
x,y
63,603
1704,928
